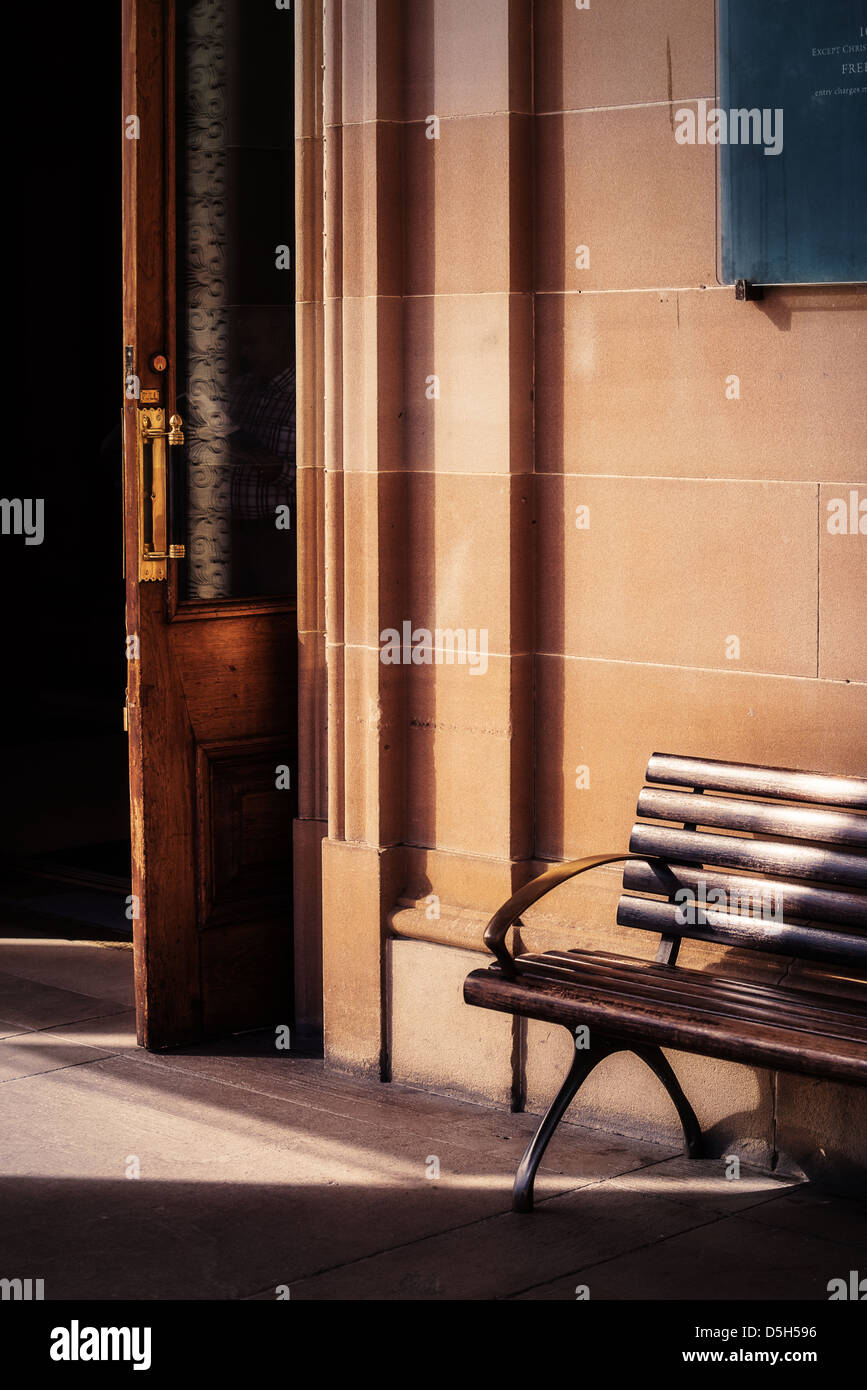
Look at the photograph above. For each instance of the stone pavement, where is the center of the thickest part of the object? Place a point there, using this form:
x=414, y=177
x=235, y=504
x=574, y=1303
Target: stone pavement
x=232, y=1170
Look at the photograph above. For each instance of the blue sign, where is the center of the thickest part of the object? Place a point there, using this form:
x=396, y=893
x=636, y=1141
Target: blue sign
x=791, y=126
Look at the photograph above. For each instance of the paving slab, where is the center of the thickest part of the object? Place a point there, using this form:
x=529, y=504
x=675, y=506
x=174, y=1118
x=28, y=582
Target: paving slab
x=110, y=1033
x=32, y=1004
x=32, y=1054
x=181, y=1125
x=194, y=1240
x=151, y=1240
x=87, y=1120
x=493, y=1259
x=11, y=1030
x=815, y=1213
x=97, y=970
x=721, y=1260
x=575, y=1154
x=702, y=1183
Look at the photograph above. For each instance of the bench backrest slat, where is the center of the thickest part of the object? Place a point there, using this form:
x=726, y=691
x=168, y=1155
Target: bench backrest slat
x=832, y=866
x=756, y=817
x=755, y=933
x=782, y=782
x=737, y=823
x=797, y=900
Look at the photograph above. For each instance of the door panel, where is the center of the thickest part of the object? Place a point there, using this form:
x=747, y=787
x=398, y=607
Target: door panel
x=211, y=694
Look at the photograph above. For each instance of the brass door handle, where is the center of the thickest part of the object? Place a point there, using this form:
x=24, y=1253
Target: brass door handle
x=154, y=548
x=174, y=434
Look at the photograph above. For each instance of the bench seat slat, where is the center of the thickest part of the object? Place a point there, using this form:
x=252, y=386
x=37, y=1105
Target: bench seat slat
x=680, y=980
x=704, y=1001
x=672, y=1025
x=789, y=784
x=757, y=817
x=798, y=899
x=831, y=866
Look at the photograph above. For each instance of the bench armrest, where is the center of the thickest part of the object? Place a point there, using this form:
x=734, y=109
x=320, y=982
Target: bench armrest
x=506, y=916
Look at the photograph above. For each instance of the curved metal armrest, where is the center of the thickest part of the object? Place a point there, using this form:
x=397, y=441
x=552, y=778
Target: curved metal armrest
x=505, y=916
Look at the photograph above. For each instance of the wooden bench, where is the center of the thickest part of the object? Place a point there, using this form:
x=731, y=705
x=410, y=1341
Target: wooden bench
x=778, y=865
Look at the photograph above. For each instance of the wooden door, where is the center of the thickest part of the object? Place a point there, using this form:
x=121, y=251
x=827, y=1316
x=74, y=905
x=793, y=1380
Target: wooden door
x=211, y=637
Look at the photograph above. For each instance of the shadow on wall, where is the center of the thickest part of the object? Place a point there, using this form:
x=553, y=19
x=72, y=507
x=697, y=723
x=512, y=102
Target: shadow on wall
x=548, y=426
x=419, y=420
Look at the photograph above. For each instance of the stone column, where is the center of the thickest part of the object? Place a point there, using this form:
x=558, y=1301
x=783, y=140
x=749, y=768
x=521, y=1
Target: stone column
x=429, y=510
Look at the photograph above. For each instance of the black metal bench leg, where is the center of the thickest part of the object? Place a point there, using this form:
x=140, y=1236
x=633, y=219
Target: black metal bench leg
x=661, y=1067
x=582, y=1065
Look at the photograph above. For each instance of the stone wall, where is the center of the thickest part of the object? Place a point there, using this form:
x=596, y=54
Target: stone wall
x=542, y=418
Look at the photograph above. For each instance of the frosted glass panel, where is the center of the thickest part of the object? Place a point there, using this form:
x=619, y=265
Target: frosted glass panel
x=236, y=341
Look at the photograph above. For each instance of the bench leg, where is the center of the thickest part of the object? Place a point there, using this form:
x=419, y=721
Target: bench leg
x=661, y=1067
x=582, y=1065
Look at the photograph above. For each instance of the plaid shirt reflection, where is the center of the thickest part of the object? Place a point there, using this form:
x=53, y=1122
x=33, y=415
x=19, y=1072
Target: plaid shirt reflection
x=266, y=412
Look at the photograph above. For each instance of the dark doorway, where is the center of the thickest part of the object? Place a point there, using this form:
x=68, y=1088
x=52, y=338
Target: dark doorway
x=64, y=809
